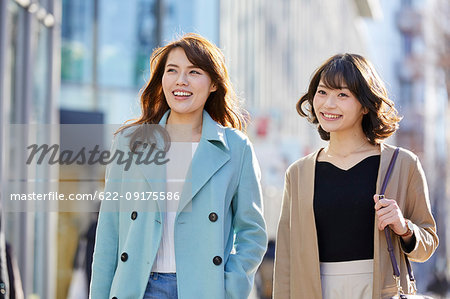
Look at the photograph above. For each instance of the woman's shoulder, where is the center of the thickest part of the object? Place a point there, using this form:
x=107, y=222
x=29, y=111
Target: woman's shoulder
x=236, y=137
x=128, y=137
x=122, y=136
x=405, y=155
x=124, y=132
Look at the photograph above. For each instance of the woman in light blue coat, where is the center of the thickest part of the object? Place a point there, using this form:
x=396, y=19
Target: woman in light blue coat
x=209, y=241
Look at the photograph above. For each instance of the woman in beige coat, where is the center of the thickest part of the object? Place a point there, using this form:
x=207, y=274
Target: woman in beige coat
x=330, y=241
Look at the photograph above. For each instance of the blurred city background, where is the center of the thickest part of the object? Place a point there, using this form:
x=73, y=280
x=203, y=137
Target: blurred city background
x=84, y=61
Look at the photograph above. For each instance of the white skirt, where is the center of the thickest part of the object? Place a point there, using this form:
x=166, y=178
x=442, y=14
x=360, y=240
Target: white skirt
x=347, y=280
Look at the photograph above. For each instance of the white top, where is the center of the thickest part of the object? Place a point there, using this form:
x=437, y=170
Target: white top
x=177, y=169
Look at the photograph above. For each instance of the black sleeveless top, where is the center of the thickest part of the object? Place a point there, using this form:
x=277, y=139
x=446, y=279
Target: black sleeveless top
x=344, y=210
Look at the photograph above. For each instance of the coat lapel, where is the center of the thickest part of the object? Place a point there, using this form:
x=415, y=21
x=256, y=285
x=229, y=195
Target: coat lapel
x=155, y=175
x=210, y=156
x=308, y=225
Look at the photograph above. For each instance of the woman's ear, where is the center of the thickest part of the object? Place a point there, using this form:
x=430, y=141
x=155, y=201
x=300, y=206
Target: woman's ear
x=365, y=110
x=213, y=87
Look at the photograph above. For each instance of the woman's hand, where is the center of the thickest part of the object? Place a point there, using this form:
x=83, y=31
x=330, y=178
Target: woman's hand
x=389, y=213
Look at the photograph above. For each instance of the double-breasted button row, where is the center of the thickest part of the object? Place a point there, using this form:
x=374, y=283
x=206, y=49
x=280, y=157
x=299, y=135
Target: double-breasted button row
x=213, y=217
x=124, y=257
x=134, y=215
x=217, y=260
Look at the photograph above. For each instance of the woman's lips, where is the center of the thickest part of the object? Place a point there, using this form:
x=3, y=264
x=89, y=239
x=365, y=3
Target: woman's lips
x=330, y=116
x=182, y=94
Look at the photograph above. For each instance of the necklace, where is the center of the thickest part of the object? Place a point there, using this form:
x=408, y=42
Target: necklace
x=347, y=154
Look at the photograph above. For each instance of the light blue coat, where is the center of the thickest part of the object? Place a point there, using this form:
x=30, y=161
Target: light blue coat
x=225, y=181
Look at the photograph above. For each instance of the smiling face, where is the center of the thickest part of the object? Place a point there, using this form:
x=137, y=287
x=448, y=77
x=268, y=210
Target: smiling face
x=338, y=110
x=186, y=87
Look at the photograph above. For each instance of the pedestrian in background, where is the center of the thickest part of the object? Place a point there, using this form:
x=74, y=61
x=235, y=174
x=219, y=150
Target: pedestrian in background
x=330, y=242
x=210, y=243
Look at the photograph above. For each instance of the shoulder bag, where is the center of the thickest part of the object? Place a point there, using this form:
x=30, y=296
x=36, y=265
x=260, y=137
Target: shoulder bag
x=387, y=232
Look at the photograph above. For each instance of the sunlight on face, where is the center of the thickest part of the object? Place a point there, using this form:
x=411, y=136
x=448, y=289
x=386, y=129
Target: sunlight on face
x=337, y=110
x=185, y=86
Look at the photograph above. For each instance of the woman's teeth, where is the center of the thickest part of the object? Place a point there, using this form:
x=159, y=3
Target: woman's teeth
x=334, y=116
x=182, y=94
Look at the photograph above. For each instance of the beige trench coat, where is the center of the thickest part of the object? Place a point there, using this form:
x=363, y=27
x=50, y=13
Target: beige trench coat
x=297, y=271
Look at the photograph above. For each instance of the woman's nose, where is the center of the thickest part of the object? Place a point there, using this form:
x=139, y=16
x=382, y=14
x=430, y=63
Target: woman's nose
x=330, y=101
x=182, y=79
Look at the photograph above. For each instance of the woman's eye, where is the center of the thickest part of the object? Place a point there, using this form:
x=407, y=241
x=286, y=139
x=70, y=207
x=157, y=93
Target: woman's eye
x=195, y=72
x=321, y=92
x=170, y=70
x=343, y=94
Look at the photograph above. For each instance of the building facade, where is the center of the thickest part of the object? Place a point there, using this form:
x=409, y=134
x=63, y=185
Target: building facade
x=29, y=84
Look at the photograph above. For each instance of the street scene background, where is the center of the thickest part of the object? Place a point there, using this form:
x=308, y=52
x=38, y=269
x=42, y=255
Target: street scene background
x=84, y=62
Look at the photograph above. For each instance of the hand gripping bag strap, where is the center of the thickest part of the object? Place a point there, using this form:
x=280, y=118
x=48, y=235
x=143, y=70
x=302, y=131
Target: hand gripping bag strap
x=387, y=233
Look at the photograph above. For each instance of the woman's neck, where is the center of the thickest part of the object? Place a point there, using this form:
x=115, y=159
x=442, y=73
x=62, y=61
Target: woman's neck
x=184, y=126
x=345, y=150
x=344, y=144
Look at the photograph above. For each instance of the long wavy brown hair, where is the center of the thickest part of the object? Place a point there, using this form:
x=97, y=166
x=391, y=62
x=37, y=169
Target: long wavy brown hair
x=359, y=76
x=222, y=105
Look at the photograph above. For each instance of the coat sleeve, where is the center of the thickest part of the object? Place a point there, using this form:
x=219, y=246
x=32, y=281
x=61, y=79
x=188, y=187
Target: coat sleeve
x=249, y=228
x=107, y=235
x=418, y=211
x=281, y=283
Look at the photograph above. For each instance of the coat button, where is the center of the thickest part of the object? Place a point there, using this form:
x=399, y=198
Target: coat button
x=133, y=215
x=217, y=260
x=213, y=217
x=124, y=257
x=114, y=297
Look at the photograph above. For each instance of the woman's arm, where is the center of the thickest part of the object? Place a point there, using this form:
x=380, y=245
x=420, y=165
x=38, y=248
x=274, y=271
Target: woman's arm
x=249, y=228
x=421, y=244
x=418, y=211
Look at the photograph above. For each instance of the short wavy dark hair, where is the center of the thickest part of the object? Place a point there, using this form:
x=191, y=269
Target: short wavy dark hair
x=359, y=76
